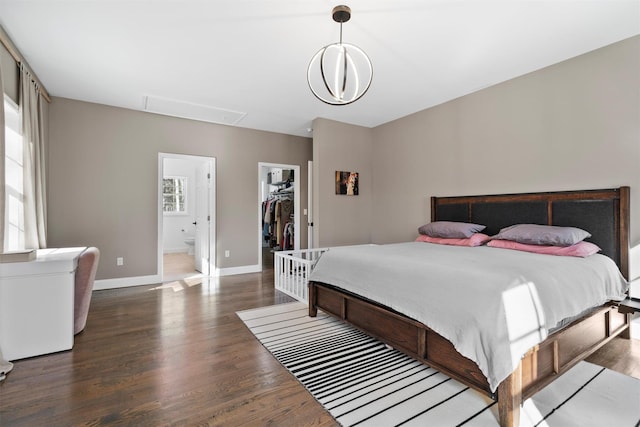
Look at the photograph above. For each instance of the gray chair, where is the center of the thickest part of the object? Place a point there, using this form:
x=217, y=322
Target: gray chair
x=85, y=275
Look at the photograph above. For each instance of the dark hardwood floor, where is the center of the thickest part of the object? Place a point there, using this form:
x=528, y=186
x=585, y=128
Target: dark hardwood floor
x=177, y=354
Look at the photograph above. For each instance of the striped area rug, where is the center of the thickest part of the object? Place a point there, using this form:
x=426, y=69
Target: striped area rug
x=361, y=382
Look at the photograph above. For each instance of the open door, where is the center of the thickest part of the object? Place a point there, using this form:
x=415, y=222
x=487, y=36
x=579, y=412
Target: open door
x=203, y=219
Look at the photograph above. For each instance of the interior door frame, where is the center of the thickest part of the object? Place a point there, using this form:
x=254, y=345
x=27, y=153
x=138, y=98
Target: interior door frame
x=212, y=209
x=296, y=201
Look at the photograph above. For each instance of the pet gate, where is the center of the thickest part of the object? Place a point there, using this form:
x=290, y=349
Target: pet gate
x=292, y=270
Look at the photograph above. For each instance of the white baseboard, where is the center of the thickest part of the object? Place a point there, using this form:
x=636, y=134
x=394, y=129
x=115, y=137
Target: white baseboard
x=245, y=269
x=184, y=249
x=125, y=282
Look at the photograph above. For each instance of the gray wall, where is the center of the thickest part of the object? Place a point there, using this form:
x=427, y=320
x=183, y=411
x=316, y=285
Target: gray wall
x=10, y=74
x=103, y=178
x=573, y=125
x=340, y=219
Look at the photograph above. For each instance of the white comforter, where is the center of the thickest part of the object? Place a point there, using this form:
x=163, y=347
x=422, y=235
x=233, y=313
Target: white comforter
x=492, y=304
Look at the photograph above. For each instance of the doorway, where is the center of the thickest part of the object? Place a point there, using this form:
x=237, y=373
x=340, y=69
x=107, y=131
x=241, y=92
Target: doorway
x=277, y=183
x=186, y=216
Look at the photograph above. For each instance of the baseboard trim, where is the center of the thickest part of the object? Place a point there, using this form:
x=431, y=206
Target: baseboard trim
x=125, y=282
x=182, y=250
x=232, y=271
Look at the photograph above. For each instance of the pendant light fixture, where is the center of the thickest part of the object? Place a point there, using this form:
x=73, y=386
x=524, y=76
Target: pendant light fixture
x=340, y=73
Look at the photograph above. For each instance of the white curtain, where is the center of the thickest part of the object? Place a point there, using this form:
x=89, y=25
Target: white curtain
x=32, y=114
x=5, y=366
x=2, y=167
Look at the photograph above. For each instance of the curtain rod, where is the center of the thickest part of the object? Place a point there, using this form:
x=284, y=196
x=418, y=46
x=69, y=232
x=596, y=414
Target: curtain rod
x=13, y=51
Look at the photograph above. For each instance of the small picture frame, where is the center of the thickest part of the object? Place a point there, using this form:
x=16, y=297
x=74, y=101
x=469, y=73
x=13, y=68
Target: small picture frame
x=347, y=183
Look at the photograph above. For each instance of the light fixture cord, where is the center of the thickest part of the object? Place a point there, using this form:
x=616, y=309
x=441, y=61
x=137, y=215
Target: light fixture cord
x=340, y=33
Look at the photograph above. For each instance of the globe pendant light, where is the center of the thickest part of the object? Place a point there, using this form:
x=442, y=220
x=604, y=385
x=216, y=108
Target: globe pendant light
x=340, y=73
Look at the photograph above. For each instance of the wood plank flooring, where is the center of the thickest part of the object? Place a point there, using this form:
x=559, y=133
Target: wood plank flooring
x=178, y=265
x=176, y=354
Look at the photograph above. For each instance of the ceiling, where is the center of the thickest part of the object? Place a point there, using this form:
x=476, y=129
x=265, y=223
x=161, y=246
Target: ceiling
x=245, y=61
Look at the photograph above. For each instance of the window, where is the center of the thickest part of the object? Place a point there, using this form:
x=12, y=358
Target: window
x=174, y=195
x=14, y=213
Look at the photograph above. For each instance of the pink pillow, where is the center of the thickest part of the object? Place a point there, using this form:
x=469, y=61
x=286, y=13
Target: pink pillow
x=476, y=240
x=580, y=249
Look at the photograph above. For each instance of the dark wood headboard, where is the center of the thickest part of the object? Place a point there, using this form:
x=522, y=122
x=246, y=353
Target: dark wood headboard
x=603, y=213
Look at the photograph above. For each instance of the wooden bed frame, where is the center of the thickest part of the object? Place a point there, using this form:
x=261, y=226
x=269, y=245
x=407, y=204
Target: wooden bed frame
x=604, y=213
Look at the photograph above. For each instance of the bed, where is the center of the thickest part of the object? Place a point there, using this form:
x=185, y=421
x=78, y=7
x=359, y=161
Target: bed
x=604, y=213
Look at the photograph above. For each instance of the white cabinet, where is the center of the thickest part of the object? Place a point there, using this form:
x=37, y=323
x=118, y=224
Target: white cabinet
x=37, y=303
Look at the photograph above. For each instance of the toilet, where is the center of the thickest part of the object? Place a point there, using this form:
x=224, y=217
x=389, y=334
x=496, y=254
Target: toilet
x=190, y=241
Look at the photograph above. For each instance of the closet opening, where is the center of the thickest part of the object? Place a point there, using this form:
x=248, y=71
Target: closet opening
x=279, y=211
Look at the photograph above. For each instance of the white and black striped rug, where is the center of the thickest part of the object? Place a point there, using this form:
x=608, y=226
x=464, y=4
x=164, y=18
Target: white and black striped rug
x=362, y=382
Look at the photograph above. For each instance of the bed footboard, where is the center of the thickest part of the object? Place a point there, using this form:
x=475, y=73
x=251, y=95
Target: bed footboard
x=539, y=367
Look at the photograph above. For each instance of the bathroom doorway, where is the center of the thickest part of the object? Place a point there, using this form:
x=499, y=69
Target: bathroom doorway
x=186, y=216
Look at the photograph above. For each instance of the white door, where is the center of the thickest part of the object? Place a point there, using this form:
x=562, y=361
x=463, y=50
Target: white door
x=203, y=218
x=310, y=205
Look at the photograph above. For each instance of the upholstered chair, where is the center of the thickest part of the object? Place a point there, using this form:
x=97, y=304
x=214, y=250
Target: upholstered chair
x=85, y=275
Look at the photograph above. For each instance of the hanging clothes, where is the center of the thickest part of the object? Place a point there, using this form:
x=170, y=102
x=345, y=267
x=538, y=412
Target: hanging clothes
x=286, y=212
x=277, y=213
x=288, y=236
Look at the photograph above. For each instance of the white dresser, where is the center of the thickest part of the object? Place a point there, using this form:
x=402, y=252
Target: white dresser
x=36, y=303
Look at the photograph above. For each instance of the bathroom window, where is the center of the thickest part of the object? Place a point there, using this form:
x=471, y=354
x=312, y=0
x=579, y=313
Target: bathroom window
x=174, y=195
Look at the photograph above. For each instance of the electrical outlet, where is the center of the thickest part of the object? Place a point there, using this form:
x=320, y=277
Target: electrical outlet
x=120, y=261
x=227, y=253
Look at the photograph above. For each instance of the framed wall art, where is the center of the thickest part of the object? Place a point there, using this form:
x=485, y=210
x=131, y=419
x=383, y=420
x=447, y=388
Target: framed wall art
x=347, y=183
